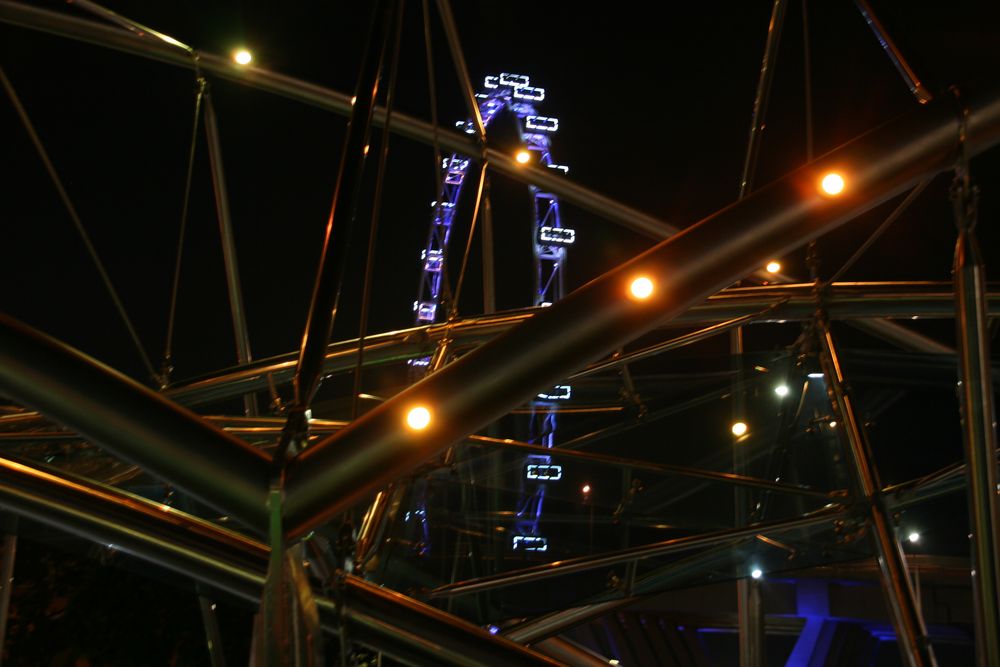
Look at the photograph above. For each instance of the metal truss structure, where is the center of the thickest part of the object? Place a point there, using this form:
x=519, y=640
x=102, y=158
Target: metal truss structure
x=511, y=93
x=286, y=482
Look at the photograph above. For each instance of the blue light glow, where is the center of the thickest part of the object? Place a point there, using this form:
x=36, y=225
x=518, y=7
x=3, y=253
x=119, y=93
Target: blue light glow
x=513, y=80
x=543, y=123
x=557, y=235
x=560, y=392
x=530, y=543
x=545, y=472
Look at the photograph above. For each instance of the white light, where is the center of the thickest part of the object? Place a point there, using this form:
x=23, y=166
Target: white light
x=913, y=537
x=781, y=390
x=560, y=392
x=832, y=184
x=492, y=82
x=513, y=80
x=613, y=661
x=585, y=489
x=816, y=376
x=418, y=418
x=543, y=123
x=757, y=573
x=242, y=57
x=557, y=235
x=641, y=288
x=833, y=423
x=529, y=93
x=522, y=156
x=546, y=472
x=773, y=267
x=530, y=543
x=561, y=167
x=739, y=429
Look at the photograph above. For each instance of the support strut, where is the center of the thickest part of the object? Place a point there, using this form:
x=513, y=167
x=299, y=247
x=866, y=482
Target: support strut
x=975, y=391
x=601, y=316
x=903, y=607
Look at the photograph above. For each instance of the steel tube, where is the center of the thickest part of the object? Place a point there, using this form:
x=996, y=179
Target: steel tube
x=667, y=469
x=768, y=63
x=154, y=532
x=229, y=257
x=600, y=316
x=347, y=191
x=133, y=422
x=6, y=581
x=237, y=564
x=458, y=642
x=461, y=69
x=585, y=563
x=858, y=302
x=308, y=93
x=978, y=433
x=901, y=601
x=918, y=89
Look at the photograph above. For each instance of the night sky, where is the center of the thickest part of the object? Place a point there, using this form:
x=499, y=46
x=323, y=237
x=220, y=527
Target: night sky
x=654, y=111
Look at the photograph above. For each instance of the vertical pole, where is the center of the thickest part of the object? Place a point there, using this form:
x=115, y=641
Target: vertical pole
x=7, y=574
x=228, y=247
x=213, y=638
x=763, y=92
x=748, y=604
x=749, y=610
x=975, y=392
x=489, y=275
x=347, y=193
x=903, y=610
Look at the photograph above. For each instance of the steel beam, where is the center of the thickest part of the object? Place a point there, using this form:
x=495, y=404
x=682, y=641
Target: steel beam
x=901, y=601
x=401, y=627
x=666, y=547
x=600, y=316
x=347, y=191
x=918, y=89
x=308, y=93
x=858, y=302
x=133, y=422
x=732, y=479
x=975, y=390
x=229, y=257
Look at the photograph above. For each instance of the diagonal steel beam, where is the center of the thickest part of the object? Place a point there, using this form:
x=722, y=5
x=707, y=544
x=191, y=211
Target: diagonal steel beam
x=666, y=547
x=133, y=422
x=399, y=626
x=291, y=88
x=858, y=302
x=901, y=601
x=601, y=316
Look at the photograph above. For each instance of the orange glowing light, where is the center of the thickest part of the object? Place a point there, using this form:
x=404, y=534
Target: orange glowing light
x=523, y=156
x=832, y=184
x=641, y=288
x=773, y=267
x=418, y=418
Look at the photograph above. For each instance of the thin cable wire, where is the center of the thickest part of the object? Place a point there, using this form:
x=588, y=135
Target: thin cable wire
x=168, y=345
x=435, y=141
x=376, y=210
x=898, y=211
x=807, y=69
x=64, y=196
x=453, y=312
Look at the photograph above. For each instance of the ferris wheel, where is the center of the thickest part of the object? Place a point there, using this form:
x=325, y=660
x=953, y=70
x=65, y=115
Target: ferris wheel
x=550, y=244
